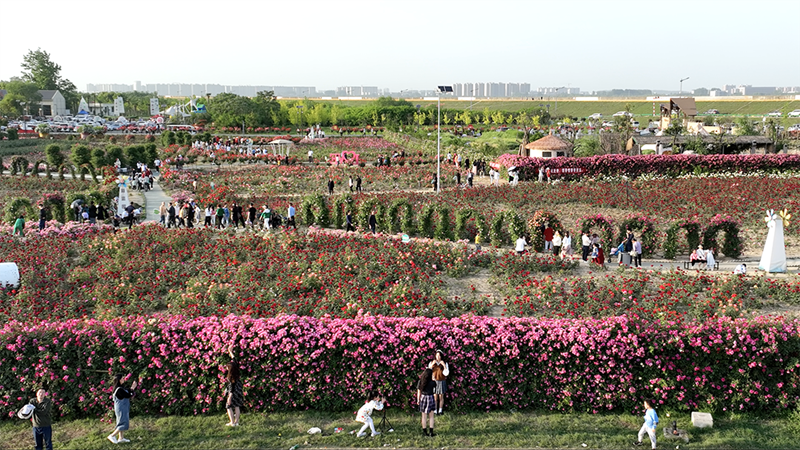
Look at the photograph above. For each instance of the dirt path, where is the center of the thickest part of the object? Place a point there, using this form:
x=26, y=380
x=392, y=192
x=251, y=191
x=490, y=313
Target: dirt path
x=476, y=286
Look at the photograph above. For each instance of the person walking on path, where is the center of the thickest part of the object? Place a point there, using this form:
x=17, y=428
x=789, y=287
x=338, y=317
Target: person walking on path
x=373, y=222
x=42, y=217
x=122, y=409
x=171, y=216
x=330, y=186
x=162, y=212
x=427, y=404
x=358, y=183
x=440, y=373
x=290, y=213
x=637, y=253
x=42, y=421
x=650, y=424
x=349, y=221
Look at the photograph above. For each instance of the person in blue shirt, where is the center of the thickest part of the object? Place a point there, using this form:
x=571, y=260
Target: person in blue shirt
x=650, y=423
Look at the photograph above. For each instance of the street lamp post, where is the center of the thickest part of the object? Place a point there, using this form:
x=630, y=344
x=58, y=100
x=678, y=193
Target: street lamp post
x=439, y=134
x=557, y=89
x=300, y=108
x=681, y=91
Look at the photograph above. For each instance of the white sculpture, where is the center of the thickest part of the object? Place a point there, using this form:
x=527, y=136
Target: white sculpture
x=773, y=260
x=122, y=200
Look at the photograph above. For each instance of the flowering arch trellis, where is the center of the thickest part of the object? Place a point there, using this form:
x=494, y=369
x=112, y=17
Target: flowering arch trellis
x=340, y=206
x=516, y=228
x=16, y=207
x=692, y=228
x=315, y=210
x=733, y=246
x=648, y=235
x=463, y=216
x=599, y=221
x=534, y=223
x=400, y=216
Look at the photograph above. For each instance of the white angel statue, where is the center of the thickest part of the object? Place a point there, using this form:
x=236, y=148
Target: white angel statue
x=773, y=260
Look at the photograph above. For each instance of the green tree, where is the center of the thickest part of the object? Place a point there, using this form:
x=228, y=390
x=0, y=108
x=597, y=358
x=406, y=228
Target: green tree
x=231, y=110
x=81, y=155
x=17, y=93
x=40, y=70
x=54, y=156
x=675, y=129
x=114, y=153
x=265, y=106
x=746, y=127
x=588, y=146
x=335, y=114
x=99, y=158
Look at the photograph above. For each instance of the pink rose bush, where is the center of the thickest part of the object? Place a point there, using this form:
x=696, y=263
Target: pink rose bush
x=291, y=362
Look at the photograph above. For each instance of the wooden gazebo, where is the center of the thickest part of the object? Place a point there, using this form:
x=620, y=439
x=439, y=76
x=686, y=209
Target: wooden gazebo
x=549, y=146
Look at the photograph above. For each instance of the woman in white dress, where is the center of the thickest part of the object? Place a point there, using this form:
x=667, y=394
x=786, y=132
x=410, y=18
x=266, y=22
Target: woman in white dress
x=710, y=261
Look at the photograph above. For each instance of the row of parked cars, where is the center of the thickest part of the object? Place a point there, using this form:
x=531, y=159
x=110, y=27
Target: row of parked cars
x=710, y=112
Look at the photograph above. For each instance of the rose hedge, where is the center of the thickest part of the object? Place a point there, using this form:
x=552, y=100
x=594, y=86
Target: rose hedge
x=634, y=166
x=292, y=362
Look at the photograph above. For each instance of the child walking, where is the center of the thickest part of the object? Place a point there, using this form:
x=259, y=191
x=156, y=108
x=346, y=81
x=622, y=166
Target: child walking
x=650, y=423
x=364, y=415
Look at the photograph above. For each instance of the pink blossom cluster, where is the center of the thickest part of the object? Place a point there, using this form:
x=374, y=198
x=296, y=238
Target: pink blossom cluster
x=292, y=362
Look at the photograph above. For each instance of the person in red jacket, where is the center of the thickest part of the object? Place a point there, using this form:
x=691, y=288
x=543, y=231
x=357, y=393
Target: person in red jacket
x=548, y=237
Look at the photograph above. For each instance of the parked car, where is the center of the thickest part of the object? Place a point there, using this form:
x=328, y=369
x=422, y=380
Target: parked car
x=712, y=111
x=795, y=113
x=596, y=116
x=774, y=114
x=622, y=113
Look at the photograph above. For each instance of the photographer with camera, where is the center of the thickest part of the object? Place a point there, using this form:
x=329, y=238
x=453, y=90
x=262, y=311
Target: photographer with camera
x=374, y=403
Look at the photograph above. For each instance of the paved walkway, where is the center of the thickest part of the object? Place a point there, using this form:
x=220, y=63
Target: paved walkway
x=152, y=201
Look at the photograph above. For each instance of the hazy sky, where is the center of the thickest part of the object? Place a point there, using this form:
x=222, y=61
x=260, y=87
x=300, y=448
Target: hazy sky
x=410, y=44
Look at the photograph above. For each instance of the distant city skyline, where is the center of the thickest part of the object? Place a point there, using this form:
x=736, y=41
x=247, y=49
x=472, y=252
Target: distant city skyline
x=412, y=44
x=462, y=90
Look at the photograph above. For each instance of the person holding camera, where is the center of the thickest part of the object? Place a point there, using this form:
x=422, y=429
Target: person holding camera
x=440, y=373
x=122, y=409
x=374, y=403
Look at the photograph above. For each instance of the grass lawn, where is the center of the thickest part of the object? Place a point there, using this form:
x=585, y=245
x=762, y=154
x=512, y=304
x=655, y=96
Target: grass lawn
x=455, y=430
x=641, y=108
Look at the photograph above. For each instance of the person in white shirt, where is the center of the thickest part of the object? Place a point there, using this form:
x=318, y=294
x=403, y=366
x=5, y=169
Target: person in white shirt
x=364, y=415
x=586, y=242
x=520, y=245
x=741, y=269
x=557, y=241
x=566, y=245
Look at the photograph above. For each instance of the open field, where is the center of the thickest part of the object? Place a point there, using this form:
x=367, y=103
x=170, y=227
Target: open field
x=502, y=429
x=606, y=107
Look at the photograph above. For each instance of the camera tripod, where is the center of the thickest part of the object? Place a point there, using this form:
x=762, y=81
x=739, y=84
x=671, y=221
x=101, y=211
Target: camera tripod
x=384, y=423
